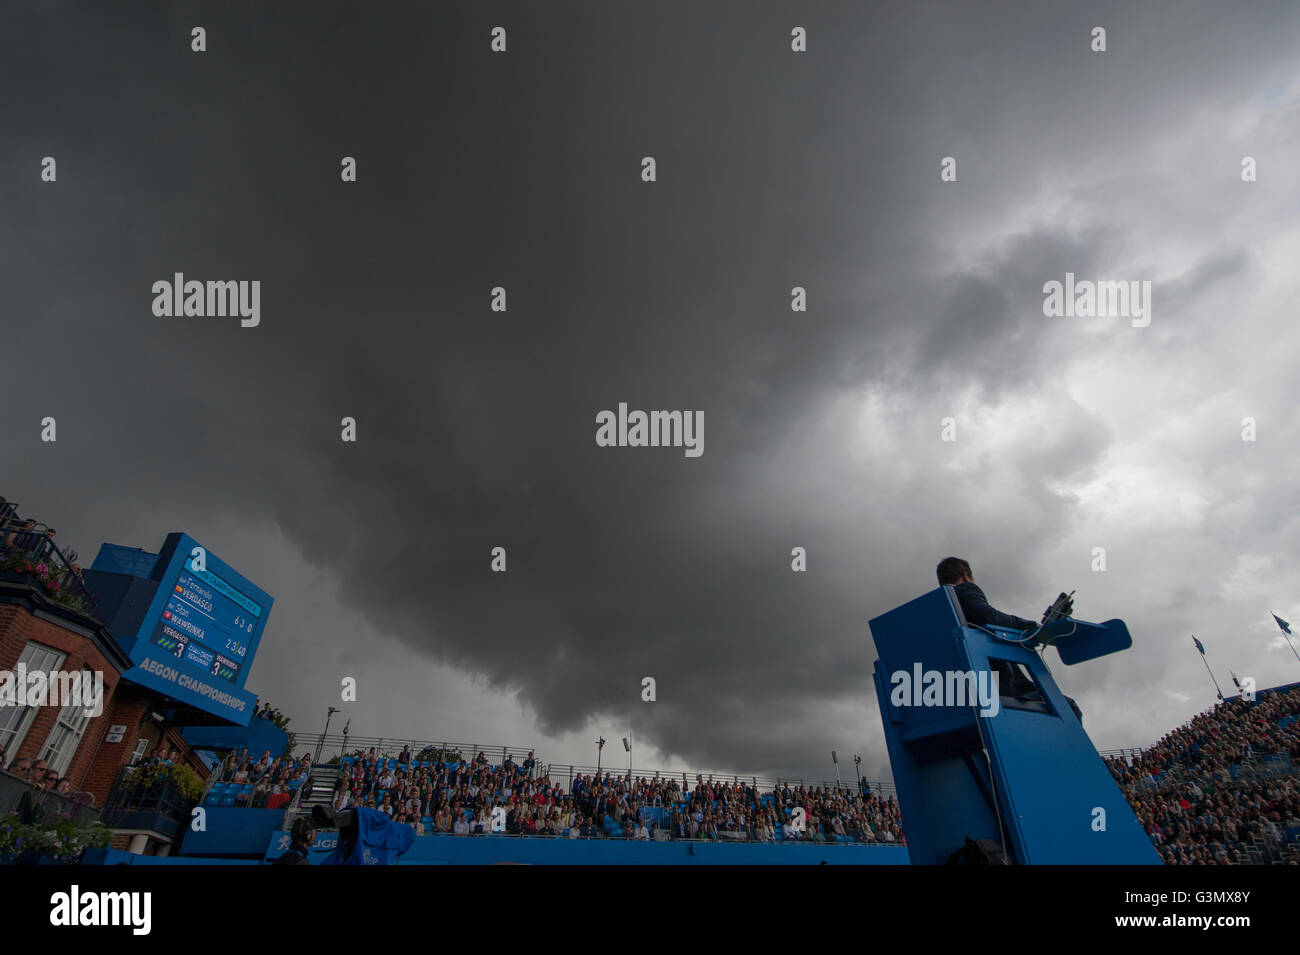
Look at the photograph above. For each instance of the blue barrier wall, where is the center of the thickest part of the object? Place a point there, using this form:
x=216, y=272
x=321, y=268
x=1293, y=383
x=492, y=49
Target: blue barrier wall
x=121, y=857
x=259, y=735
x=480, y=850
x=542, y=850
x=486, y=850
x=231, y=831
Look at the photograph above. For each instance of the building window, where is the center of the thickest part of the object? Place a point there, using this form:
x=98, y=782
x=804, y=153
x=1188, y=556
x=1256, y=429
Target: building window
x=68, y=730
x=15, y=721
x=141, y=745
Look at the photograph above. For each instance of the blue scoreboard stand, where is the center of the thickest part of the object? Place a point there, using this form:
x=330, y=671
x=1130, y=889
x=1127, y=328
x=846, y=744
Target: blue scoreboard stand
x=190, y=623
x=1021, y=773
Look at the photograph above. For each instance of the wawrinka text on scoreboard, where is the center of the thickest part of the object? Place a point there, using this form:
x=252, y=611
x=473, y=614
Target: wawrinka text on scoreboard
x=207, y=621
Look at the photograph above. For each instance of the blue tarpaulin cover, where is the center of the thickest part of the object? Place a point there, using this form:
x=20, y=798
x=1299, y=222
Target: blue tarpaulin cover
x=379, y=841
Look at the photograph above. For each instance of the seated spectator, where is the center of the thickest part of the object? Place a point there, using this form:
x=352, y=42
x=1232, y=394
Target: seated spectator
x=22, y=768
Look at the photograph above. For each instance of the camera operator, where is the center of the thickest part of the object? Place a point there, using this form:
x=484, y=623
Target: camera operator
x=303, y=834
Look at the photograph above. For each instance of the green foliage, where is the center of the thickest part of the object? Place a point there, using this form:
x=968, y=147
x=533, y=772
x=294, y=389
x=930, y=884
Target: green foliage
x=435, y=754
x=54, y=833
x=336, y=760
x=185, y=780
x=51, y=579
x=288, y=745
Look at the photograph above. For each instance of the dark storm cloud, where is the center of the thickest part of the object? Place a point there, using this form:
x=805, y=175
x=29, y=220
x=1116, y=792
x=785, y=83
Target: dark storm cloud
x=477, y=428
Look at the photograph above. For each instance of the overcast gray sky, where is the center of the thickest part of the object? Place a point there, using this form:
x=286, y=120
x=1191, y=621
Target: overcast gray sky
x=822, y=428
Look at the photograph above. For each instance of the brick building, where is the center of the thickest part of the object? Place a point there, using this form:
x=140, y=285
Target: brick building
x=41, y=634
x=100, y=623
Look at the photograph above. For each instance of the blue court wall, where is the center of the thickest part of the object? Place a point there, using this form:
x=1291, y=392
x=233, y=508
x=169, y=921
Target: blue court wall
x=486, y=850
x=259, y=735
x=480, y=850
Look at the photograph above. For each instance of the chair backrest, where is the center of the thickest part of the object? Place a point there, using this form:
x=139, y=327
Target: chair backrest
x=956, y=604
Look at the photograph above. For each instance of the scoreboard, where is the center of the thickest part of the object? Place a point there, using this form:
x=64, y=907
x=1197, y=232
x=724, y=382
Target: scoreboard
x=207, y=621
x=198, y=636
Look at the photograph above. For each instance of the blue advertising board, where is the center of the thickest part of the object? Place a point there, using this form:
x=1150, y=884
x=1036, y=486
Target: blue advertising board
x=199, y=634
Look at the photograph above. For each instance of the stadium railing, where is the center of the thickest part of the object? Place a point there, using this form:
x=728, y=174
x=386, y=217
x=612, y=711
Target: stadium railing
x=336, y=745
x=565, y=772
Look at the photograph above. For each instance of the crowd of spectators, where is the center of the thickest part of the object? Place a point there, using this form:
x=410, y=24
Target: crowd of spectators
x=37, y=774
x=459, y=797
x=1222, y=789
x=264, y=783
x=738, y=811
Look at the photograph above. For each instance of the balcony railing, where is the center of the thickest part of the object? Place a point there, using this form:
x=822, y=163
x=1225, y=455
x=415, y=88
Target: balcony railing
x=157, y=805
x=51, y=570
x=17, y=795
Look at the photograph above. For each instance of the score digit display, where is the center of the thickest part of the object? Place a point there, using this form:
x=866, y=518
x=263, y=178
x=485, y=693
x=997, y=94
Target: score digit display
x=207, y=621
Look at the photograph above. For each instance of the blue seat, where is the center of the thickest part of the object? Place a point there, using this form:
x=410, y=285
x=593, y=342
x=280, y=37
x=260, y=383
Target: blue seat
x=228, y=799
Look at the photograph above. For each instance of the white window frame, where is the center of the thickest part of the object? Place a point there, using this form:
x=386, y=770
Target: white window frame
x=68, y=731
x=141, y=745
x=16, y=721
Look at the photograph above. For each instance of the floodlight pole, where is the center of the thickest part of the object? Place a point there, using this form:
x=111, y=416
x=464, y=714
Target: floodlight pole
x=321, y=744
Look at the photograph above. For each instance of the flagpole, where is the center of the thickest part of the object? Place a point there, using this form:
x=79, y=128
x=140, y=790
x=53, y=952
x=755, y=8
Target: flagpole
x=1286, y=634
x=1291, y=645
x=1209, y=671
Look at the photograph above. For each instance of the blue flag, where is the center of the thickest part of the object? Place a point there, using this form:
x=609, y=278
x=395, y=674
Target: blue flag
x=1198, y=644
x=1286, y=627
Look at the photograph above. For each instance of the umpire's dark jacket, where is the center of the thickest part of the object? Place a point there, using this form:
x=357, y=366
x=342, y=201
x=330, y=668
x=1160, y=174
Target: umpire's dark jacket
x=978, y=612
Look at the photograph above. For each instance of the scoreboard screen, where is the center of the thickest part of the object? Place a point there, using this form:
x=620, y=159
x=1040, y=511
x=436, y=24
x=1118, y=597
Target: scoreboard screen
x=198, y=636
x=207, y=621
